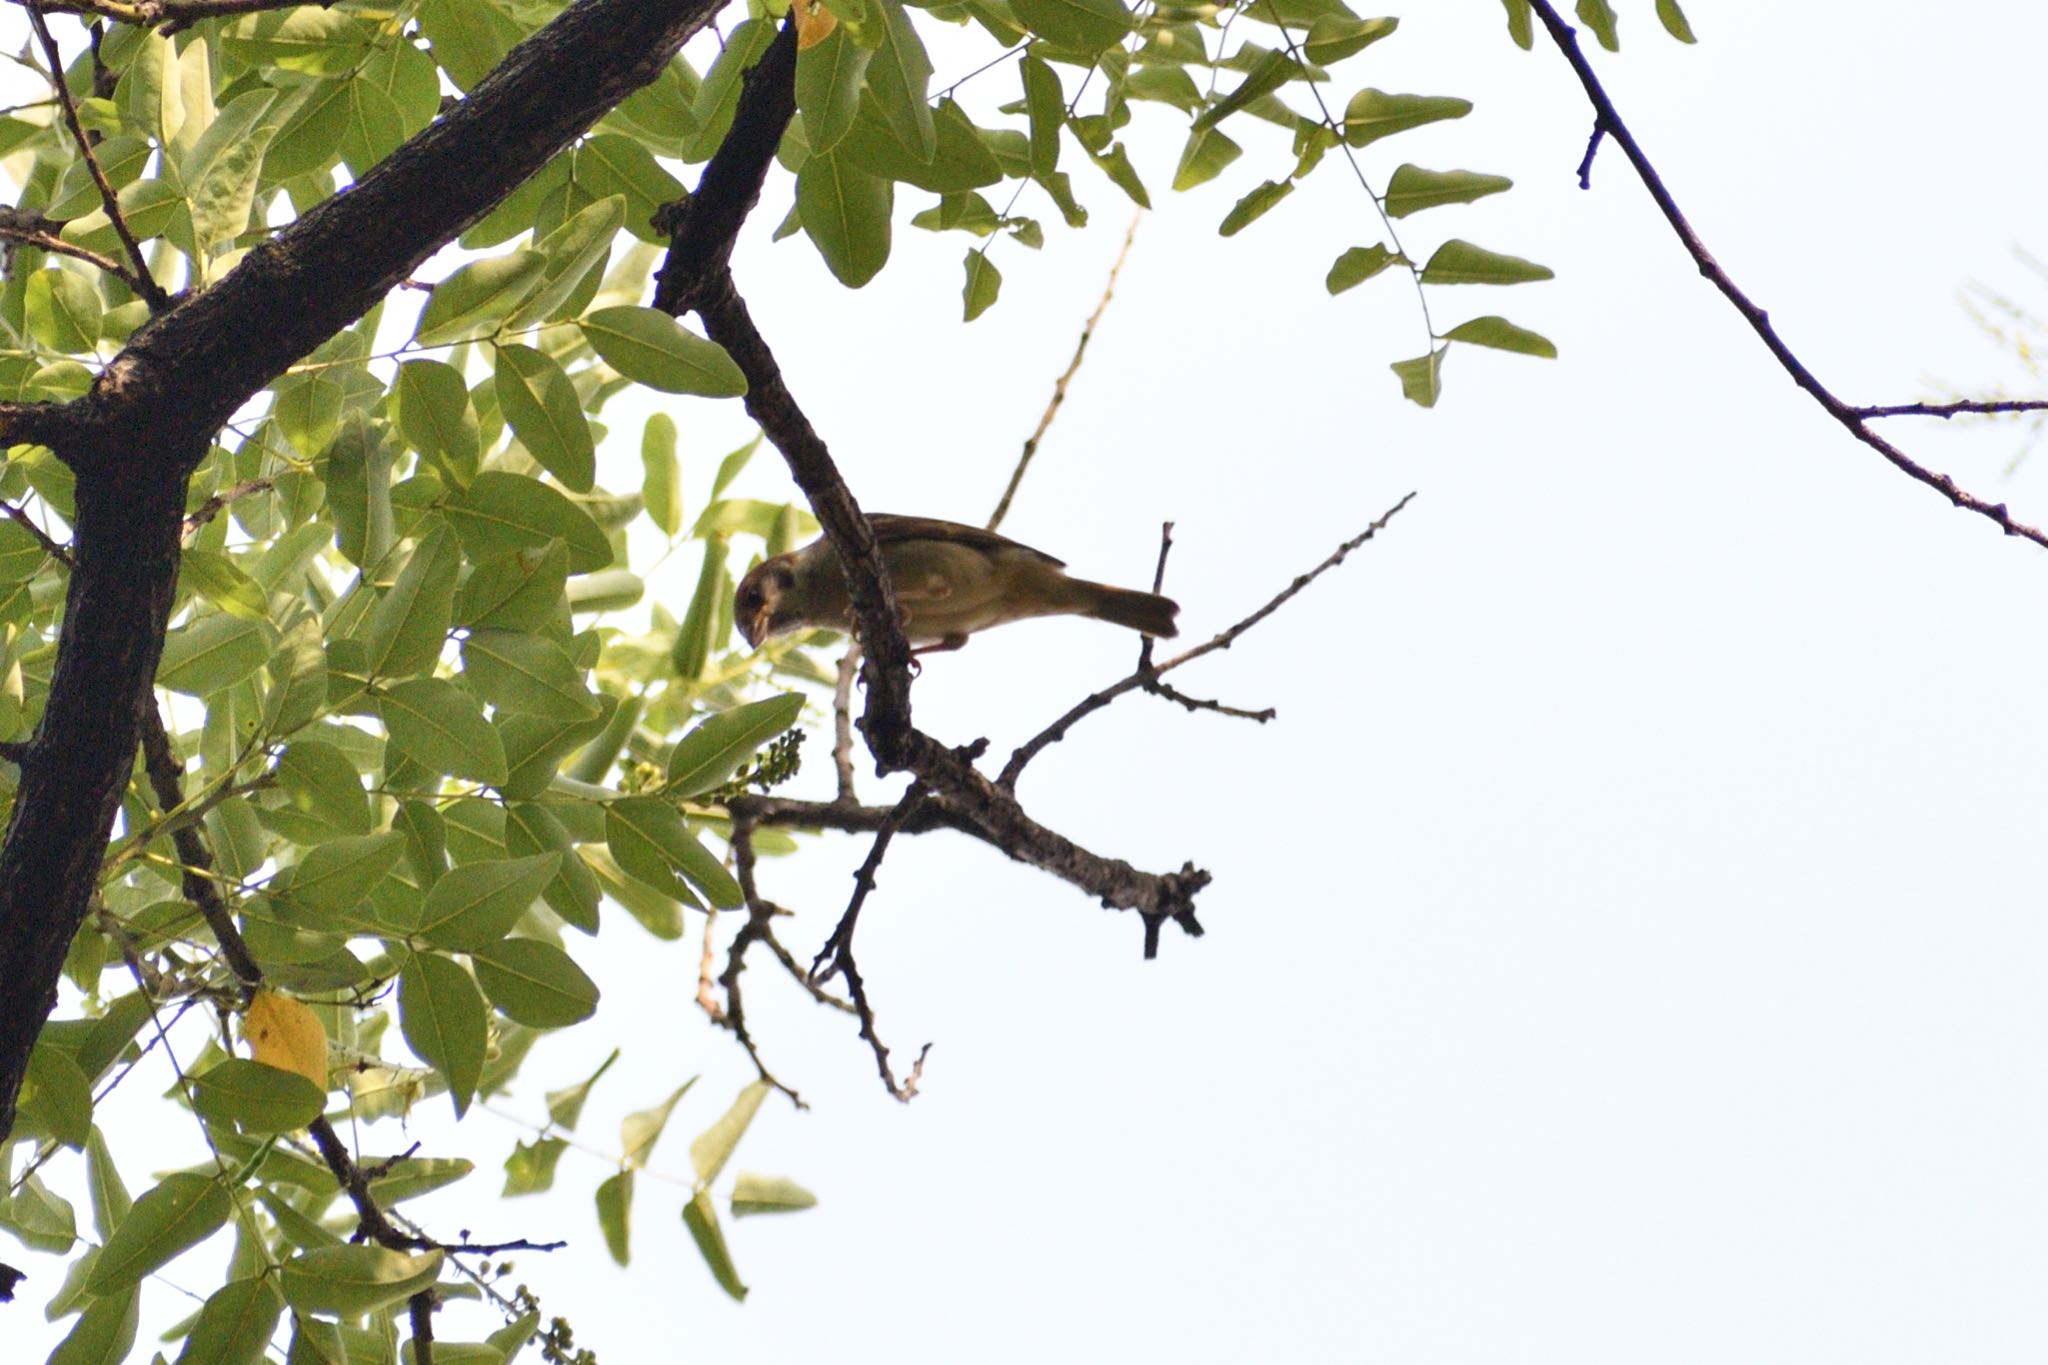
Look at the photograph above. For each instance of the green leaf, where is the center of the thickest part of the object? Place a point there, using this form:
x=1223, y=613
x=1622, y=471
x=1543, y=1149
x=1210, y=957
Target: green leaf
x=235, y=1326
x=469, y=37
x=353, y=1280
x=1459, y=262
x=1674, y=21
x=984, y=281
x=899, y=76
x=652, y=348
x=58, y=1096
x=702, y=1221
x=526, y=673
x=440, y=726
x=565, y=1106
x=312, y=41
x=1413, y=189
x=641, y=1129
x=1502, y=335
x=501, y=512
x=1116, y=164
x=575, y=251
x=1268, y=74
x=648, y=837
x=410, y=1177
x=1086, y=27
x=1374, y=114
x=530, y=1166
x=612, y=163
x=477, y=904
x=221, y=171
x=1254, y=206
x=1598, y=15
x=661, y=480
x=110, y=1198
x=335, y=876
x=1359, y=264
x=1521, y=23
x=442, y=1015
x=214, y=653
x=521, y=591
x=435, y=417
x=846, y=212
x=541, y=404
x=1045, y=104
x=172, y=1218
x=103, y=1333
x=1421, y=378
x=38, y=1218
x=216, y=578
x=709, y=755
x=828, y=85
x=535, y=983
x=409, y=625
x=473, y=300
x=321, y=784
x=753, y=1194
x=615, y=1215
x=1333, y=37
x=63, y=311
x=257, y=1098
x=1203, y=158
x=961, y=159
x=714, y=1146
x=374, y=127
x=310, y=139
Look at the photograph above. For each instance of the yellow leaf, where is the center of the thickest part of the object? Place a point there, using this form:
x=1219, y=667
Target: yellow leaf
x=283, y=1033
x=814, y=24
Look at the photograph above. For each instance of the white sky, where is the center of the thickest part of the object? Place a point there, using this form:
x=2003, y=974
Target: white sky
x=1623, y=946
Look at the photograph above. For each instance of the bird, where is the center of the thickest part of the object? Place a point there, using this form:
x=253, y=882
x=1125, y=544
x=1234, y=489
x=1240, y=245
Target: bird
x=950, y=580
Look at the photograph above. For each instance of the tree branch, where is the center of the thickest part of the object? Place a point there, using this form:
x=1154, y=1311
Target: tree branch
x=1965, y=407
x=139, y=278
x=1610, y=121
x=1059, y=386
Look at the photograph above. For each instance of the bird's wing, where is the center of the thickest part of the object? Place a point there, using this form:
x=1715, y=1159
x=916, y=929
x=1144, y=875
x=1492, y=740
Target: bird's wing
x=890, y=528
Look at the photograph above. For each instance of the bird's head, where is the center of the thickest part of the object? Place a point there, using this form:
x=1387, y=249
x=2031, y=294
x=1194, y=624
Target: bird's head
x=762, y=606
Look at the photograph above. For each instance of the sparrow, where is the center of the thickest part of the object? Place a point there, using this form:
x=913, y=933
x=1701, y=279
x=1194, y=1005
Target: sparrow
x=951, y=580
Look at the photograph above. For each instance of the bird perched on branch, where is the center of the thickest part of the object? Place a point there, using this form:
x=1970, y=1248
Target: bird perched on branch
x=950, y=581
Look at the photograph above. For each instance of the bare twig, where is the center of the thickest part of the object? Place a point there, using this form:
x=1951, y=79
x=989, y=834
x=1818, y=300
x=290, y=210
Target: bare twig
x=839, y=945
x=1592, y=150
x=1960, y=408
x=759, y=913
x=166, y=782
x=842, y=721
x=1059, y=387
x=174, y=15
x=1759, y=321
x=1146, y=676
x=51, y=242
x=139, y=279
x=53, y=548
x=213, y=506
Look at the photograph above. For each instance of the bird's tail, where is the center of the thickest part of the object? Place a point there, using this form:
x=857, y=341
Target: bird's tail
x=1147, y=612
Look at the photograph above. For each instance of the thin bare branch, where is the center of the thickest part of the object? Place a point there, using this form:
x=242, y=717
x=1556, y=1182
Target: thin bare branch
x=139, y=278
x=839, y=946
x=1851, y=418
x=1146, y=676
x=1965, y=407
x=1059, y=387
x=842, y=722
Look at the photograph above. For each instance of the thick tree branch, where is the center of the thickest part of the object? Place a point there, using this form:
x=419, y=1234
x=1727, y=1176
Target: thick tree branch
x=1610, y=122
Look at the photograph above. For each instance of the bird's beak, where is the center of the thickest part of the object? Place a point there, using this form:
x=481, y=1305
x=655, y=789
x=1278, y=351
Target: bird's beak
x=754, y=631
